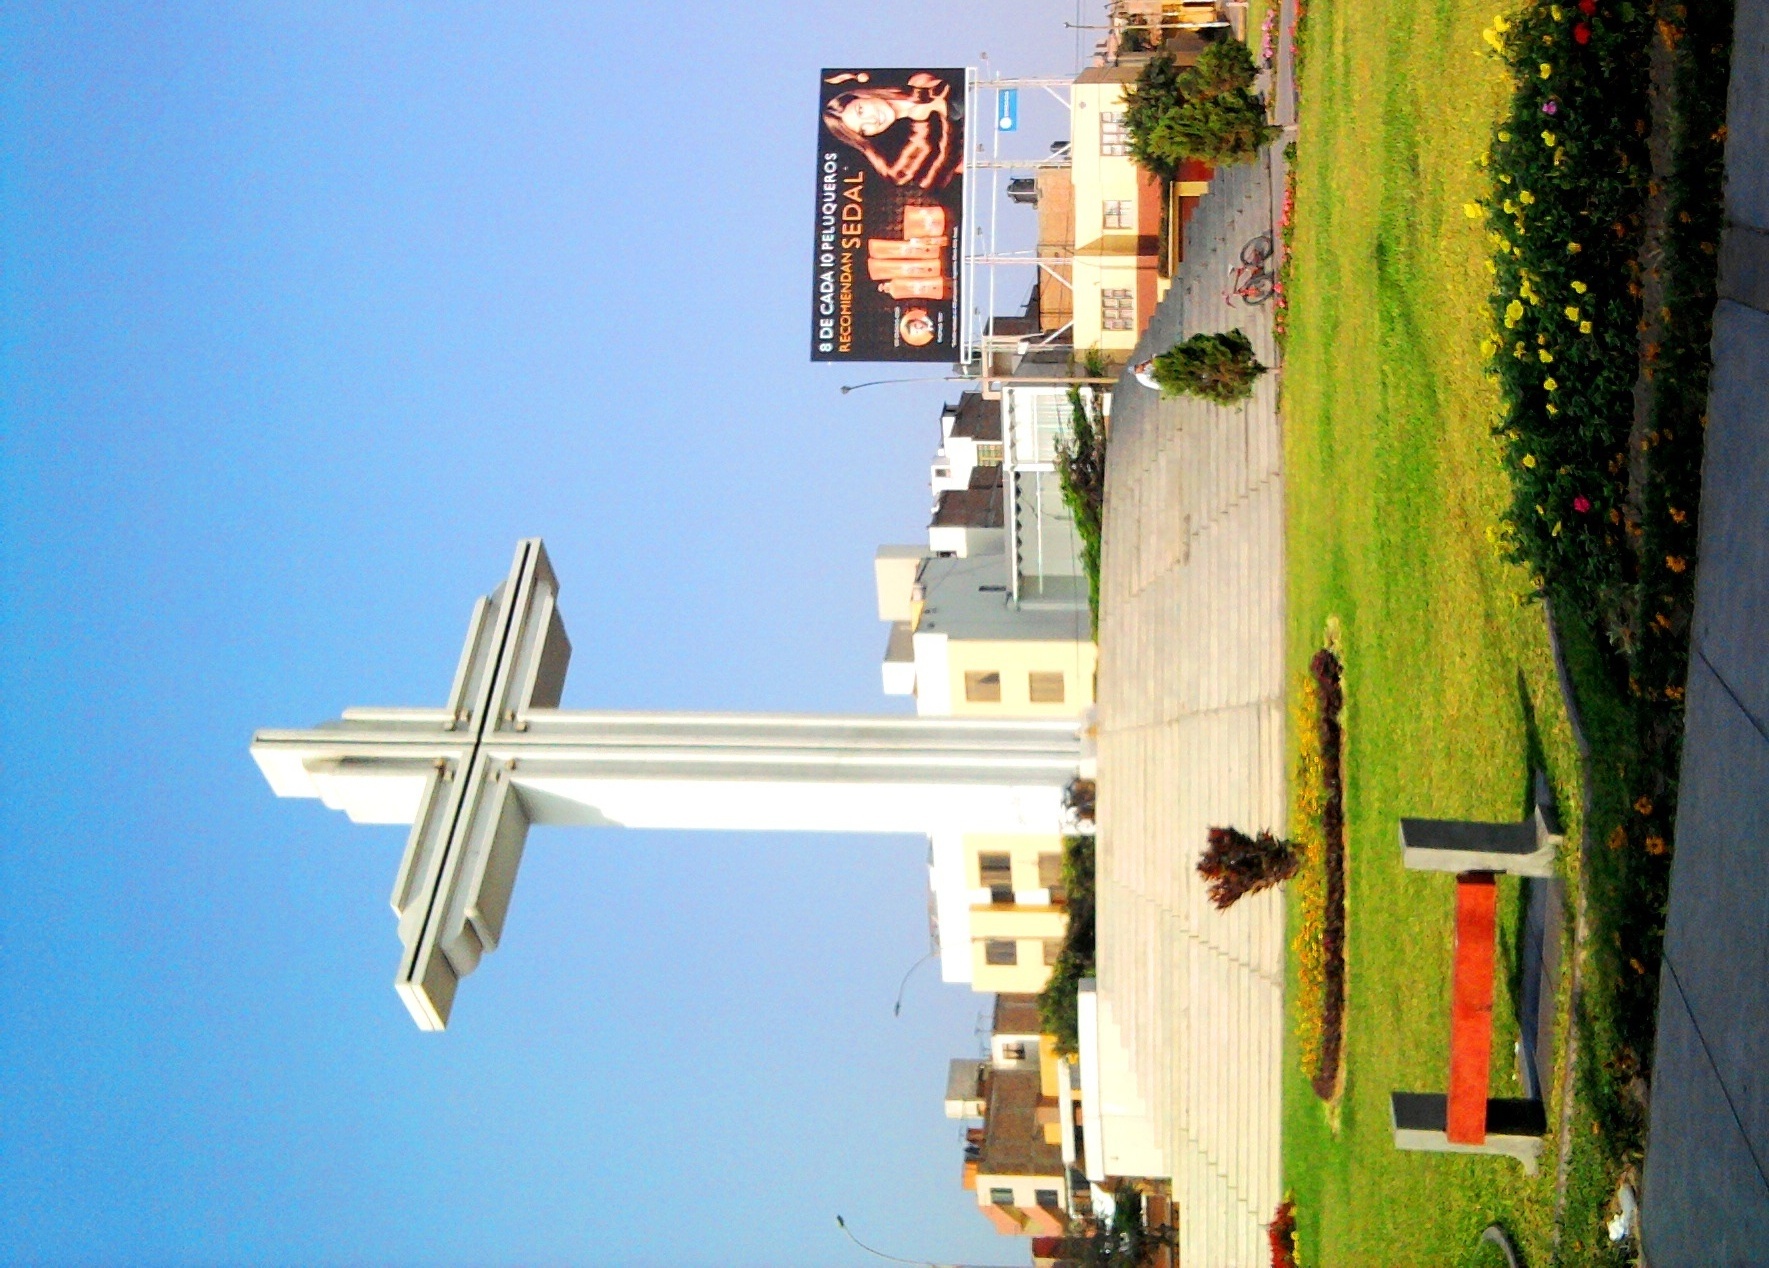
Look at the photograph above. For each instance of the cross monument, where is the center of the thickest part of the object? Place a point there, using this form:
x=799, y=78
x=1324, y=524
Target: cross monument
x=472, y=776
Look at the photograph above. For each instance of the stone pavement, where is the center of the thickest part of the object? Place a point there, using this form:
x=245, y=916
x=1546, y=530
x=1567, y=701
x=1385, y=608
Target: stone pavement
x=1706, y=1196
x=1191, y=710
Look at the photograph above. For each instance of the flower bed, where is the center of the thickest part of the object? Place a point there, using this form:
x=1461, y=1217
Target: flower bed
x=1570, y=167
x=1280, y=307
x=1606, y=498
x=1320, y=836
x=1282, y=1234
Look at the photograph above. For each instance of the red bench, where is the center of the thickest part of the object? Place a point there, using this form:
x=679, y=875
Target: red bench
x=1466, y=1119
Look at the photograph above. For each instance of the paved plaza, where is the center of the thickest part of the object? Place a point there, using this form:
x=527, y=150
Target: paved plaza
x=1191, y=709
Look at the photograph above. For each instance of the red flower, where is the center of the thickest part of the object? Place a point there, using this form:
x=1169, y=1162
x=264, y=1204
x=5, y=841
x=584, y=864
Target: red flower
x=1581, y=34
x=1581, y=504
x=1587, y=7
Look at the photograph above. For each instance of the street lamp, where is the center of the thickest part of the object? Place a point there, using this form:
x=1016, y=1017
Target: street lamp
x=897, y=1008
x=943, y=378
x=916, y=1263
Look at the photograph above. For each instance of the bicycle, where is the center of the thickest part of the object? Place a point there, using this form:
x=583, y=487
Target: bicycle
x=1251, y=281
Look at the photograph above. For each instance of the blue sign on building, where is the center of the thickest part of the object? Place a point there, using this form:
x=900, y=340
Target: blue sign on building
x=1007, y=110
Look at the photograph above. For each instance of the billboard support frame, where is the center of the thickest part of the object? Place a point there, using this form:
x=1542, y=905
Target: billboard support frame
x=979, y=310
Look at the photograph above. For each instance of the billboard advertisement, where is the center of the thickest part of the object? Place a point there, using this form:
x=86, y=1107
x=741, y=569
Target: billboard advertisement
x=890, y=194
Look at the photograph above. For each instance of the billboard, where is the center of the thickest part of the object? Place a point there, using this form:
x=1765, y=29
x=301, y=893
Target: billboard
x=890, y=196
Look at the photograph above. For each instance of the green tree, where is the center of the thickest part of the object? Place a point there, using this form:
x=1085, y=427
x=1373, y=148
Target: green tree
x=1219, y=367
x=1208, y=112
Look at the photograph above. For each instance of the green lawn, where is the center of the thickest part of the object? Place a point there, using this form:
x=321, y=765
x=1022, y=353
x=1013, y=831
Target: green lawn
x=1393, y=484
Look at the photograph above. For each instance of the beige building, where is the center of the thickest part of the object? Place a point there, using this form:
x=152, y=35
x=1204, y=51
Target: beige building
x=989, y=619
x=1124, y=259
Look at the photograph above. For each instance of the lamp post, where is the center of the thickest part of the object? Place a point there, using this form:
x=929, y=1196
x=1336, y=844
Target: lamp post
x=984, y=380
x=895, y=1259
x=897, y=1008
x=943, y=378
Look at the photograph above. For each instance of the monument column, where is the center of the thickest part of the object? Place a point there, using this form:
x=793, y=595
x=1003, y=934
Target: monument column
x=471, y=777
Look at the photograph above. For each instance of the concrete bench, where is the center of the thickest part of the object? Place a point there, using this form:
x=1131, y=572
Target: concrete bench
x=1514, y=1127
x=1525, y=848
x=1465, y=1119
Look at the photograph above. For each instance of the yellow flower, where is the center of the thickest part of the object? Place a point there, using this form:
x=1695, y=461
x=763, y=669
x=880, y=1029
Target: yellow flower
x=1539, y=510
x=1552, y=412
x=1513, y=313
x=1580, y=288
x=1573, y=248
x=1548, y=139
x=1555, y=13
x=1676, y=563
x=1516, y=351
x=1572, y=314
x=1492, y=37
x=1525, y=197
x=1584, y=327
x=1471, y=210
x=1544, y=356
x=1549, y=385
x=1488, y=346
x=1508, y=207
x=1492, y=268
x=1504, y=136
x=1505, y=177
x=1546, y=70
x=1529, y=460
x=1556, y=530
x=1500, y=23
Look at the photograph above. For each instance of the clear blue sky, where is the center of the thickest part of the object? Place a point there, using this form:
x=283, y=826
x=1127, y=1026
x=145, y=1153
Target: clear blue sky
x=309, y=312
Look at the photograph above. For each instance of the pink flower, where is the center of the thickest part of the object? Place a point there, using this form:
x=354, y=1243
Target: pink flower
x=1550, y=106
x=1581, y=34
x=1581, y=504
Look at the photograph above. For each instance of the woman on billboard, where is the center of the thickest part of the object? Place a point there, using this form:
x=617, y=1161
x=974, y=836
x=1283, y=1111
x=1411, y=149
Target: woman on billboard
x=910, y=134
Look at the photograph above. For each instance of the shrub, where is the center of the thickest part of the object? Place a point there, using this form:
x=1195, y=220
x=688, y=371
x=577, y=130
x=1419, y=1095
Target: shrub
x=1080, y=796
x=1124, y=1242
x=1081, y=473
x=1057, y=1007
x=1236, y=864
x=1207, y=112
x=1219, y=367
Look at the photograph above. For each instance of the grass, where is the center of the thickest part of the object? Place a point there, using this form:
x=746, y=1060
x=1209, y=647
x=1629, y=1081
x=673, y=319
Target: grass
x=1393, y=482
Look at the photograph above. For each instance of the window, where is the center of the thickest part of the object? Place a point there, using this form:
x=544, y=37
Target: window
x=1050, y=876
x=1046, y=687
x=1117, y=213
x=1117, y=309
x=984, y=686
x=989, y=453
x=1001, y=1197
x=1002, y=951
x=1048, y=1199
x=1053, y=950
x=1114, y=138
x=995, y=871
x=1013, y=1052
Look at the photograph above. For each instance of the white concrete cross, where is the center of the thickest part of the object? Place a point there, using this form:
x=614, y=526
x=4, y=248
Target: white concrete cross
x=470, y=778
